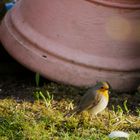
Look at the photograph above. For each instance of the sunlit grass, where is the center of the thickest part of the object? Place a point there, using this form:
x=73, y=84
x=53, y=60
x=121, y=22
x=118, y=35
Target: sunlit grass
x=44, y=119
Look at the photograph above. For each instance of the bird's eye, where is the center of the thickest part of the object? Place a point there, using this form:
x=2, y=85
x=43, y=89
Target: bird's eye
x=102, y=87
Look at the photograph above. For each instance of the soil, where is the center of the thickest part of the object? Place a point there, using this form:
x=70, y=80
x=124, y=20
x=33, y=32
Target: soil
x=16, y=86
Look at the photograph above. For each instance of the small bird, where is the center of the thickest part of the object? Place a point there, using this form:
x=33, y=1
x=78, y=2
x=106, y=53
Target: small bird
x=95, y=100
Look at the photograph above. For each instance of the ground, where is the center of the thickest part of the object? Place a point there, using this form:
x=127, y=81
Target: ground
x=28, y=112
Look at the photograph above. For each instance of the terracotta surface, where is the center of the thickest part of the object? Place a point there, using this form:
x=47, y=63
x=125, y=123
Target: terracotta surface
x=125, y=4
x=77, y=42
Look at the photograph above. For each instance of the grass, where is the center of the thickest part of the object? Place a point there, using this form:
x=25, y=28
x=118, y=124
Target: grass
x=44, y=119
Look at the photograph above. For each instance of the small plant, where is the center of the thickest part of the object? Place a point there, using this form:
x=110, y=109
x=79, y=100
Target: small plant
x=37, y=79
x=49, y=99
x=119, y=110
x=125, y=106
x=39, y=94
x=138, y=111
x=44, y=98
x=70, y=106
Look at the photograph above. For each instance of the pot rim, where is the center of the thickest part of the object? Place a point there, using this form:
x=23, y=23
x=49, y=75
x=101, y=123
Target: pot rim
x=116, y=4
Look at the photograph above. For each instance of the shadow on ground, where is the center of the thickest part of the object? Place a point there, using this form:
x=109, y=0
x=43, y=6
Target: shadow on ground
x=22, y=86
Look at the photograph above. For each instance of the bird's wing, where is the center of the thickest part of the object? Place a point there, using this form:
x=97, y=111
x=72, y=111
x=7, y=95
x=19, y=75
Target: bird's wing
x=90, y=99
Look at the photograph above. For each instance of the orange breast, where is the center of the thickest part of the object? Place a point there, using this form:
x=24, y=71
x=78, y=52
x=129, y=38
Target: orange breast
x=104, y=92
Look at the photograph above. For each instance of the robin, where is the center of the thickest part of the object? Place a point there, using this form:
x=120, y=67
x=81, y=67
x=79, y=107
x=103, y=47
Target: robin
x=95, y=100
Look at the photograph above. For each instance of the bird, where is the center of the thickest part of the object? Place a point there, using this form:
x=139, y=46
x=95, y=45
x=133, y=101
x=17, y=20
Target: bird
x=94, y=100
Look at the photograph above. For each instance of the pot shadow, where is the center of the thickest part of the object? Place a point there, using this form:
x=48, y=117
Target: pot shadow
x=21, y=87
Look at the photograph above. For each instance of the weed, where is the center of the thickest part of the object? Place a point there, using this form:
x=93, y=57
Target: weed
x=47, y=99
x=138, y=111
x=39, y=94
x=37, y=79
x=125, y=106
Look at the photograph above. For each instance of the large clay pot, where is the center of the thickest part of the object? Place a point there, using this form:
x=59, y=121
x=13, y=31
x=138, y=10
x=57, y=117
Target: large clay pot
x=77, y=41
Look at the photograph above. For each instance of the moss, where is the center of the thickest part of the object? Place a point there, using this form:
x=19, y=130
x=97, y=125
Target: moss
x=35, y=121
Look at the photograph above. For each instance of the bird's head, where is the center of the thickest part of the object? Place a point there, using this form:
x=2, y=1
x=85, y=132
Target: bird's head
x=102, y=85
x=103, y=88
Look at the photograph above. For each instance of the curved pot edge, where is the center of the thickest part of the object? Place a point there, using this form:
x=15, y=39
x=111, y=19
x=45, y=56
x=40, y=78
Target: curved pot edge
x=115, y=4
x=79, y=80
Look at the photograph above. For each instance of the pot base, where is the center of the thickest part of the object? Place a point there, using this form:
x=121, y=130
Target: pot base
x=57, y=69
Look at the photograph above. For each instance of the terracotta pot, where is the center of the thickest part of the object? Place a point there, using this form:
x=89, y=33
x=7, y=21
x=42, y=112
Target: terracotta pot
x=77, y=41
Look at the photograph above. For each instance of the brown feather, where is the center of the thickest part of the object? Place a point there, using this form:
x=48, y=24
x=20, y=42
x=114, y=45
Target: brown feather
x=89, y=100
